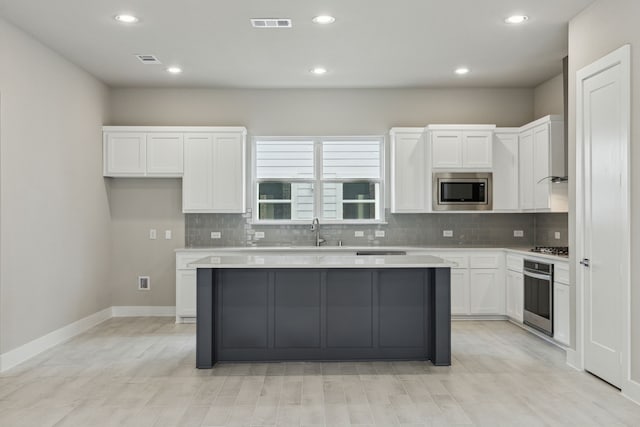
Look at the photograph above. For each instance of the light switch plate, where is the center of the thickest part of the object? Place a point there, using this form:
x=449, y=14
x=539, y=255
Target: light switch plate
x=557, y=235
x=168, y=235
x=359, y=234
x=447, y=233
x=518, y=233
x=153, y=234
x=216, y=235
x=259, y=235
x=380, y=233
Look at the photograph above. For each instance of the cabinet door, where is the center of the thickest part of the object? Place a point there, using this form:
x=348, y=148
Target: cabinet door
x=185, y=293
x=228, y=179
x=515, y=295
x=487, y=292
x=505, y=172
x=459, y=291
x=525, y=146
x=125, y=154
x=541, y=190
x=197, y=195
x=446, y=149
x=561, y=317
x=408, y=173
x=477, y=149
x=164, y=154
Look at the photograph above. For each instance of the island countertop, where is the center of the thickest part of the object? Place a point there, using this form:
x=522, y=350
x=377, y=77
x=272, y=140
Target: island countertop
x=321, y=261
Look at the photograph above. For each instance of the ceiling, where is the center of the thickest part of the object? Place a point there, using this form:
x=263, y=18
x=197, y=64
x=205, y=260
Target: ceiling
x=372, y=44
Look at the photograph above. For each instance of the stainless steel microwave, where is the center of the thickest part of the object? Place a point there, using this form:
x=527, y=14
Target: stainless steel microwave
x=462, y=191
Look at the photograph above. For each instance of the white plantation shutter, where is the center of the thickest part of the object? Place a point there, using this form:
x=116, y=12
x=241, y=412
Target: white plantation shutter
x=351, y=159
x=284, y=159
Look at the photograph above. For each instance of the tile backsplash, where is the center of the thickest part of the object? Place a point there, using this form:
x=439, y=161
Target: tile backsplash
x=469, y=229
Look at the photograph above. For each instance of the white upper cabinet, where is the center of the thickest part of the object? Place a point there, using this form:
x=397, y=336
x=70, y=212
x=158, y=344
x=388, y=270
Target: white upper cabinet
x=541, y=157
x=164, y=154
x=410, y=176
x=215, y=172
x=125, y=154
x=505, y=170
x=446, y=149
x=133, y=151
x=461, y=146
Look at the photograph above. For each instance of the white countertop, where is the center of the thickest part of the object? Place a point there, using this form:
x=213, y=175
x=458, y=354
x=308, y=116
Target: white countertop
x=321, y=261
x=351, y=250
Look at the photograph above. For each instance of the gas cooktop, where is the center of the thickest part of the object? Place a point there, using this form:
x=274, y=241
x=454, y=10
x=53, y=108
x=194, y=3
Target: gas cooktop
x=552, y=250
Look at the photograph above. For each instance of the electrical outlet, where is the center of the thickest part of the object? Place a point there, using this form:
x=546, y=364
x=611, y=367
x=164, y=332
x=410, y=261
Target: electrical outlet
x=144, y=283
x=259, y=235
x=557, y=235
x=153, y=234
x=216, y=235
x=447, y=233
x=167, y=235
x=359, y=234
x=380, y=233
x=518, y=233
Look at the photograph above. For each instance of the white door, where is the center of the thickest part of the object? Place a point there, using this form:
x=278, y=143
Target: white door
x=603, y=156
x=487, y=295
x=505, y=171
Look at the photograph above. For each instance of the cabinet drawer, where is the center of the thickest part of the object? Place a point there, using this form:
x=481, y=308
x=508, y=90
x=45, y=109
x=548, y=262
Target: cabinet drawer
x=561, y=273
x=485, y=261
x=514, y=263
x=462, y=261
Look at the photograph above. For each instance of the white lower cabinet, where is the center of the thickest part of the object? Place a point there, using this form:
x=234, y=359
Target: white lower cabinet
x=515, y=295
x=459, y=291
x=487, y=291
x=561, y=313
x=185, y=295
x=477, y=283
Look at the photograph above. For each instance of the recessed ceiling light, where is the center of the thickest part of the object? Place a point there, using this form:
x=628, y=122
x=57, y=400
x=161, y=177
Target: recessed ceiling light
x=174, y=70
x=318, y=71
x=516, y=19
x=324, y=19
x=462, y=71
x=126, y=19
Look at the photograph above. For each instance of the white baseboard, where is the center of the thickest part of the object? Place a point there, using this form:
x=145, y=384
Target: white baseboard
x=573, y=359
x=467, y=317
x=631, y=390
x=26, y=351
x=143, y=311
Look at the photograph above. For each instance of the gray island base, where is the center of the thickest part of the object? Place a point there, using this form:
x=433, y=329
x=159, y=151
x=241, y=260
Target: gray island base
x=323, y=310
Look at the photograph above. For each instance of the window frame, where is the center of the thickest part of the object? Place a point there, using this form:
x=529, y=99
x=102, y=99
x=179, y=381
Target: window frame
x=317, y=181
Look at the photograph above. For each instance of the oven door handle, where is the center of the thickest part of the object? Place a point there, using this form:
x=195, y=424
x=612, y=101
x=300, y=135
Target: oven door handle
x=537, y=275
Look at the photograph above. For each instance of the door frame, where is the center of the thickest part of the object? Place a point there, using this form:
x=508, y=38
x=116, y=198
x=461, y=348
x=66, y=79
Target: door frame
x=622, y=57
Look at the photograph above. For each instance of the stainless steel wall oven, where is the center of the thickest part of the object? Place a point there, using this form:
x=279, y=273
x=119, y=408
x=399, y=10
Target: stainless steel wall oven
x=538, y=296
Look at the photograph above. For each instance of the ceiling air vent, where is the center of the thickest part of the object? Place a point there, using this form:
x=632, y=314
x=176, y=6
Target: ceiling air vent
x=148, y=59
x=271, y=23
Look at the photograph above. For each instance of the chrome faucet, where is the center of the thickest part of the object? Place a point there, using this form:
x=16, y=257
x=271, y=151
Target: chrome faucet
x=315, y=226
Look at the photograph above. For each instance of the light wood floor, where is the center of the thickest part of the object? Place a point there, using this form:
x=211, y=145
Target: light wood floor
x=140, y=372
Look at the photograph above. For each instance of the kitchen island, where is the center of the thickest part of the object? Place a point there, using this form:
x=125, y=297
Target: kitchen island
x=322, y=307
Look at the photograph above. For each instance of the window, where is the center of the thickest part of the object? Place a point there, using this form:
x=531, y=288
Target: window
x=346, y=171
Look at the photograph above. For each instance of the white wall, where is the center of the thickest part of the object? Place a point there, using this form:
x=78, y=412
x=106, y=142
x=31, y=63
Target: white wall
x=54, y=215
x=600, y=29
x=548, y=98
